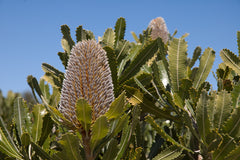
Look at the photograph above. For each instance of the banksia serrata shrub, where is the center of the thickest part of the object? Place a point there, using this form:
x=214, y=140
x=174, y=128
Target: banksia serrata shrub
x=159, y=29
x=87, y=76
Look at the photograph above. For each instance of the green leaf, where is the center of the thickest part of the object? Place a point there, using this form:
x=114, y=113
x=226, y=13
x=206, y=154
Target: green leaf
x=232, y=126
x=169, y=153
x=135, y=154
x=40, y=152
x=84, y=113
x=80, y=34
x=135, y=37
x=225, y=148
x=25, y=139
x=117, y=107
x=177, y=61
x=20, y=114
x=45, y=90
x=202, y=115
x=196, y=54
x=70, y=148
x=234, y=154
x=163, y=134
x=213, y=140
x=127, y=133
x=8, y=150
x=113, y=67
x=99, y=130
x=46, y=128
x=66, y=46
x=144, y=79
x=205, y=66
x=147, y=106
x=224, y=107
x=7, y=144
x=33, y=83
x=236, y=96
x=119, y=30
x=146, y=53
x=39, y=112
x=121, y=123
x=109, y=37
x=67, y=36
x=112, y=150
x=231, y=60
x=64, y=58
x=50, y=69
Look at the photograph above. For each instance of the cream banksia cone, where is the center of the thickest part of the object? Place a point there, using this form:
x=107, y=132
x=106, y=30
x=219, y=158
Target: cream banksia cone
x=87, y=76
x=159, y=29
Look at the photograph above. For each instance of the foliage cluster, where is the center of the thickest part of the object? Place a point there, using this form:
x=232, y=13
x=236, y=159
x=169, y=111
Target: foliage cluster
x=163, y=109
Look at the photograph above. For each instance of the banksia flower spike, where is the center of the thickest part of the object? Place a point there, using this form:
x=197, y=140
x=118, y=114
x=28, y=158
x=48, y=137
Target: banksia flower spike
x=159, y=29
x=87, y=76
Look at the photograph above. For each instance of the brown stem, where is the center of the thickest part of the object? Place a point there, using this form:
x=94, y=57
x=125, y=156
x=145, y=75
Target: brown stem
x=86, y=145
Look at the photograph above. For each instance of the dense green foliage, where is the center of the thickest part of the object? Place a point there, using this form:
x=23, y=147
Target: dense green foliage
x=163, y=109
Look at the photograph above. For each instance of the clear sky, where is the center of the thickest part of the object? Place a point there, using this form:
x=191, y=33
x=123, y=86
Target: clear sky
x=30, y=29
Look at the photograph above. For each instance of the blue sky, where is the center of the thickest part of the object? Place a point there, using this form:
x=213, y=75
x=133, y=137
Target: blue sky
x=30, y=29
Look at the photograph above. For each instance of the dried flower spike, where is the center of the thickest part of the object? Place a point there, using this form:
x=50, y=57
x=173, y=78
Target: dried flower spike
x=159, y=29
x=88, y=76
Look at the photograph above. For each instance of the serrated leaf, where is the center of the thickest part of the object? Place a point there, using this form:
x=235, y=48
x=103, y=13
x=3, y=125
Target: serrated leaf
x=148, y=106
x=40, y=152
x=45, y=90
x=231, y=60
x=196, y=54
x=39, y=112
x=46, y=129
x=223, y=108
x=80, y=34
x=127, y=133
x=202, y=115
x=112, y=150
x=67, y=36
x=9, y=151
x=64, y=58
x=113, y=67
x=213, y=140
x=70, y=148
x=33, y=83
x=144, y=79
x=100, y=129
x=135, y=154
x=119, y=30
x=7, y=144
x=232, y=125
x=109, y=37
x=144, y=54
x=169, y=153
x=50, y=69
x=227, y=145
x=20, y=114
x=234, y=154
x=84, y=113
x=164, y=135
x=135, y=37
x=66, y=46
x=177, y=61
x=117, y=107
x=236, y=95
x=206, y=62
x=122, y=50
